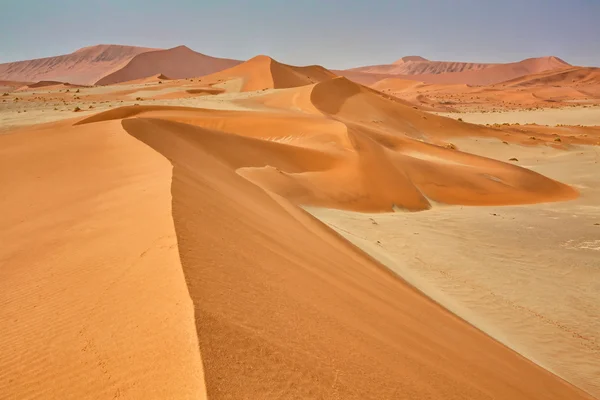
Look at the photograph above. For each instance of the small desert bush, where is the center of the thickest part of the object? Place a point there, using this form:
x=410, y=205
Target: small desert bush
x=139, y=99
x=4, y=94
x=76, y=109
x=460, y=119
x=557, y=139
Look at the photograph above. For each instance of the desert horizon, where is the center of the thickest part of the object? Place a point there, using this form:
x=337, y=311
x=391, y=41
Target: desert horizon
x=181, y=225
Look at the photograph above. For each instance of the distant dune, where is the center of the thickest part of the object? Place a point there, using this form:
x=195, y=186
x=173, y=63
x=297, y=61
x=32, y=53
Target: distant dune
x=262, y=72
x=176, y=63
x=575, y=76
x=85, y=66
x=454, y=73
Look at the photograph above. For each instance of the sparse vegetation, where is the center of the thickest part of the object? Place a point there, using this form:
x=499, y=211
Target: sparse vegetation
x=450, y=146
x=139, y=99
x=77, y=91
x=76, y=109
x=460, y=119
x=4, y=94
x=557, y=139
x=513, y=159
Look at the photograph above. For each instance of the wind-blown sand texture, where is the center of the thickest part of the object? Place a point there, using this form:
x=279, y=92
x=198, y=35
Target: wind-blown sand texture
x=173, y=259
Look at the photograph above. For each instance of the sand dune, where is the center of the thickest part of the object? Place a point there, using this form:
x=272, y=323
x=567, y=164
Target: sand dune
x=173, y=259
x=575, y=76
x=497, y=73
x=85, y=66
x=455, y=73
x=178, y=62
x=262, y=72
x=381, y=168
x=242, y=313
x=9, y=86
x=415, y=65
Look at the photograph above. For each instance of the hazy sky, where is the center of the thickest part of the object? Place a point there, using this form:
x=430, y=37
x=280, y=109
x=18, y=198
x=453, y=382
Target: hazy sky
x=336, y=34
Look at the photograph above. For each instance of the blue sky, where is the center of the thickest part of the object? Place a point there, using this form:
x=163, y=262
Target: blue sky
x=336, y=34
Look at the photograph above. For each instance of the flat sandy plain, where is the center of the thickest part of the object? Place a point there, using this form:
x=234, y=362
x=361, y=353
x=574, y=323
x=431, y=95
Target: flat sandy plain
x=156, y=245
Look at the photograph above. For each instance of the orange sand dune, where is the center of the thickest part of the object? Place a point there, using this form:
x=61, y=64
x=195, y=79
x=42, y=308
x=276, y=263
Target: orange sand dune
x=352, y=335
x=178, y=62
x=383, y=170
x=84, y=67
x=262, y=72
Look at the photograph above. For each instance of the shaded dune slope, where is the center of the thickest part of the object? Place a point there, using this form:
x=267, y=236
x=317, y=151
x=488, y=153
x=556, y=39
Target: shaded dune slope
x=324, y=323
x=176, y=63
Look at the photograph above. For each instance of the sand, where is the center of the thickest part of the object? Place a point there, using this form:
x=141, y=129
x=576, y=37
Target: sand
x=588, y=116
x=176, y=63
x=84, y=66
x=441, y=72
x=173, y=257
x=93, y=298
x=527, y=276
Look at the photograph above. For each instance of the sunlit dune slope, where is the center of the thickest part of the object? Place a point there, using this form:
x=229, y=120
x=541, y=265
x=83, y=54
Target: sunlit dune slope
x=262, y=72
